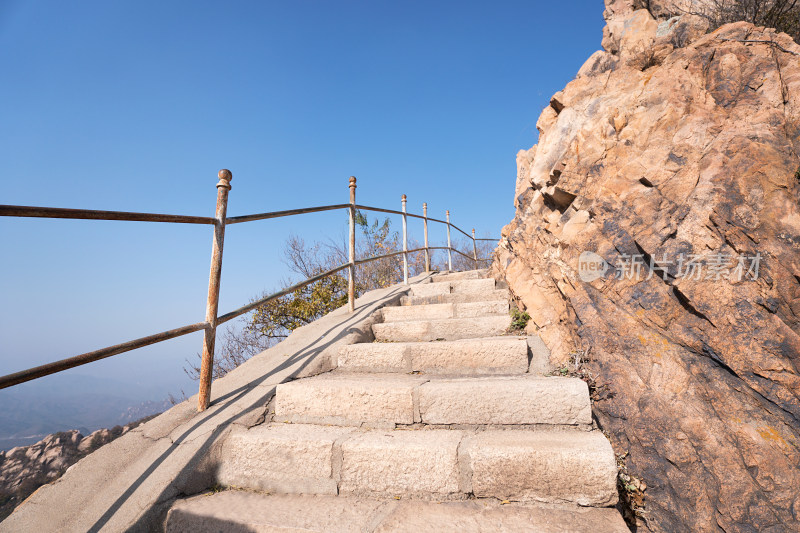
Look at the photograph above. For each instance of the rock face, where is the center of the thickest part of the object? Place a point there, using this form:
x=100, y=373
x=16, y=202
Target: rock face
x=673, y=156
x=25, y=468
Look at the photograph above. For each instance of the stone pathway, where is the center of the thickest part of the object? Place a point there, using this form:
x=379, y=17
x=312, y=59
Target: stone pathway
x=444, y=423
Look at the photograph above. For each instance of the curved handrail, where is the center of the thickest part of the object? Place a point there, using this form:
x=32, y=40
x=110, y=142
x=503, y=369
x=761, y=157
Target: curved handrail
x=92, y=214
x=219, y=222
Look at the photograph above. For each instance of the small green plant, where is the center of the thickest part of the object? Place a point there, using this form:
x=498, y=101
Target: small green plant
x=519, y=319
x=797, y=174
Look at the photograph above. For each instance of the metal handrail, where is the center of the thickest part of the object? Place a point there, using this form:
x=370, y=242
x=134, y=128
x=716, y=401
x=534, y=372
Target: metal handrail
x=90, y=214
x=288, y=212
x=252, y=305
x=213, y=319
x=456, y=250
x=89, y=357
x=394, y=212
x=385, y=256
x=462, y=231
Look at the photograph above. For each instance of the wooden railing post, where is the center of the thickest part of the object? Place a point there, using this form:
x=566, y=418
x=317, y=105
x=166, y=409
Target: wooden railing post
x=449, y=246
x=405, y=241
x=474, y=249
x=351, y=270
x=427, y=252
x=212, y=305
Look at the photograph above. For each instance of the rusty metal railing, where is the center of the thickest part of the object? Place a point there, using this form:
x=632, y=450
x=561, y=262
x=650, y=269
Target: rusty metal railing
x=213, y=319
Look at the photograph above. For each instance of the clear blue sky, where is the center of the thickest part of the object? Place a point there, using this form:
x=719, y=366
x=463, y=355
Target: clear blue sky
x=134, y=106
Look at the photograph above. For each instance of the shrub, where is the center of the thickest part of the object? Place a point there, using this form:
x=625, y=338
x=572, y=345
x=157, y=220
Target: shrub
x=680, y=36
x=783, y=15
x=519, y=319
x=644, y=57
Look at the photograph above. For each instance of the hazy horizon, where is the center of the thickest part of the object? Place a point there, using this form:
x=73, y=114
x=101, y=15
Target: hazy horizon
x=135, y=107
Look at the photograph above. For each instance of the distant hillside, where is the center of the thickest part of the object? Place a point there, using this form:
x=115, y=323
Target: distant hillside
x=65, y=402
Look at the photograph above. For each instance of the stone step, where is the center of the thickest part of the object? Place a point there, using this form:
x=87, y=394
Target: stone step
x=505, y=400
x=348, y=400
x=554, y=466
x=445, y=310
x=456, y=298
x=493, y=355
x=457, y=276
x=466, y=286
x=381, y=400
x=247, y=511
x=449, y=329
x=284, y=458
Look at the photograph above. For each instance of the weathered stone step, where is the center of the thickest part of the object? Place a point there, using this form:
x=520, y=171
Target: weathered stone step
x=567, y=466
x=445, y=310
x=348, y=400
x=457, y=276
x=460, y=286
x=505, y=400
x=248, y=511
x=494, y=355
x=285, y=458
x=455, y=298
x=448, y=329
x=576, y=466
x=381, y=400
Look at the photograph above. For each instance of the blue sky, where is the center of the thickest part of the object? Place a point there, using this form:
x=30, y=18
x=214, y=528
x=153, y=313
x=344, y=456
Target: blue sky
x=135, y=106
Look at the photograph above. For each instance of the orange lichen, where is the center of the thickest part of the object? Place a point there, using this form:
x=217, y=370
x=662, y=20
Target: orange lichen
x=770, y=433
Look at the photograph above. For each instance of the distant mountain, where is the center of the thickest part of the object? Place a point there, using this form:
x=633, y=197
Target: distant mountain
x=24, y=469
x=66, y=402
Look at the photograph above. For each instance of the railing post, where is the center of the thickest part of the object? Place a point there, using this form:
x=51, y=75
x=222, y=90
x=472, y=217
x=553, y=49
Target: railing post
x=449, y=246
x=351, y=282
x=405, y=242
x=209, y=337
x=474, y=249
x=427, y=252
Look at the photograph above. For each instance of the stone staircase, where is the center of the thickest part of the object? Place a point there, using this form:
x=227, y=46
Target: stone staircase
x=444, y=423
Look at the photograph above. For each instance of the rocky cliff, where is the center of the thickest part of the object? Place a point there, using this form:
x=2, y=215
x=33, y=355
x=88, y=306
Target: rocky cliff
x=657, y=239
x=25, y=468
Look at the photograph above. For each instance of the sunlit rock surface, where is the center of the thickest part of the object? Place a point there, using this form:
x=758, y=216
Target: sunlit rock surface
x=675, y=145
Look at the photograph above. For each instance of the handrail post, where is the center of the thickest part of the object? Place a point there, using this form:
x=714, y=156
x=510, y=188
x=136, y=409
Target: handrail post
x=449, y=246
x=427, y=252
x=212, y=305
x=405, y=241
x=474, y=249
x=351, y=281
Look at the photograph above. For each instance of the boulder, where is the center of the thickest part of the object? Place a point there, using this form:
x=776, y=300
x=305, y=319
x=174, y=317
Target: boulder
x=675, y=176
